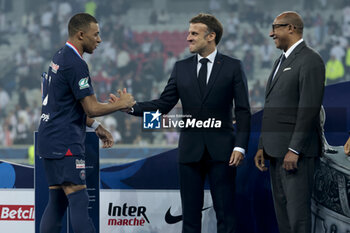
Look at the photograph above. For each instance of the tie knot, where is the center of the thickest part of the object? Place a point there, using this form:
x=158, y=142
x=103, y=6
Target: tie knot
x=204, y=61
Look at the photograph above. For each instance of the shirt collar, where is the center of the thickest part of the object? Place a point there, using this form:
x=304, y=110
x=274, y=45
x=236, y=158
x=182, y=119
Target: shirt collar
x=211, y=56
x=290, y=50
x=70, y=45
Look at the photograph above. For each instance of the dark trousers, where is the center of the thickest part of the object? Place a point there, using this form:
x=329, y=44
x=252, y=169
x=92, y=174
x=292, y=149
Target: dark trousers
x=222, y=188
x=292, y=194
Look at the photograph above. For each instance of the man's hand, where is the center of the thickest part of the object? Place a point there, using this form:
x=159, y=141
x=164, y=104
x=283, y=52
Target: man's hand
x=105, y=136
x=236, y=158
x=260, y=161
x=347, y=147
x=113, y=99
x=126, y=99
x=290, y=161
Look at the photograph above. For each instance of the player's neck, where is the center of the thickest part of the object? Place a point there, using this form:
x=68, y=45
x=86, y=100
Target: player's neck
x=77, y=45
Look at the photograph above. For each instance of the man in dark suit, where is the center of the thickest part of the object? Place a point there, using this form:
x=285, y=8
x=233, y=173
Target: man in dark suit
x=207, y=84
x=291, y=132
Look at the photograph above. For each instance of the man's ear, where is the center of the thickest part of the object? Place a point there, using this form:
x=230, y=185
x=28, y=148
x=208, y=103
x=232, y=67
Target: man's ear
x=80, y=35
x=291, y=28
x=212, y=36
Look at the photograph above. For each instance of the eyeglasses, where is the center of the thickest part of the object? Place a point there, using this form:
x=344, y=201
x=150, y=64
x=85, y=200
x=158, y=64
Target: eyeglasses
x=274, y=26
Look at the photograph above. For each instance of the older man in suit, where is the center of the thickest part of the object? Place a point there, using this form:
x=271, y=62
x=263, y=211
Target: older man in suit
x=207, y=84
x=291, y=134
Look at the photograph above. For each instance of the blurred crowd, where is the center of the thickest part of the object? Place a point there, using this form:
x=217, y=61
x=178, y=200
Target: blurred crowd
x=142, y=61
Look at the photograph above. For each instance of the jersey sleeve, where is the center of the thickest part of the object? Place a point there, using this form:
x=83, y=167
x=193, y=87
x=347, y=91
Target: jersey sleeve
x=81, y=81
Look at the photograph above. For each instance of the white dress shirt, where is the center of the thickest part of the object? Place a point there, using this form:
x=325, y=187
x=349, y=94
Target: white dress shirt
x=211, y=58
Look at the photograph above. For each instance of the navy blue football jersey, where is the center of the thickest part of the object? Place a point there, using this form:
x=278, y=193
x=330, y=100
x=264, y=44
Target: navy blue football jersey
x=63, y=120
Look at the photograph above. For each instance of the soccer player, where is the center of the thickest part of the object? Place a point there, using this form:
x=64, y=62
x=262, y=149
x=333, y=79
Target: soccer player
x=68, y=103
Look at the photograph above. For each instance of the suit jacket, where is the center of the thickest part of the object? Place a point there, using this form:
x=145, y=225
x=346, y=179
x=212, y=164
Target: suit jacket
x=227, y=83
x=292, y=105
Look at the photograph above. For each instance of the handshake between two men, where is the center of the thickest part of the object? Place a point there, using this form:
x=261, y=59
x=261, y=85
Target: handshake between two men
x=125, y=100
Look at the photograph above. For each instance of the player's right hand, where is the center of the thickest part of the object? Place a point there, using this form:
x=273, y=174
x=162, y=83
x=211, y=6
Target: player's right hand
x=113, y=98
x=126, y=100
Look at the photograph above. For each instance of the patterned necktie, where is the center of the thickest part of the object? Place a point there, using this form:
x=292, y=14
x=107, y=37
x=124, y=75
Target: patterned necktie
x=202, y=76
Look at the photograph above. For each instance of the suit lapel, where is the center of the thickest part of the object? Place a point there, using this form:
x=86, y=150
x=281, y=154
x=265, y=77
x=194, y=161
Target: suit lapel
x=214, y=74
x=268, y=85
x=285, y=64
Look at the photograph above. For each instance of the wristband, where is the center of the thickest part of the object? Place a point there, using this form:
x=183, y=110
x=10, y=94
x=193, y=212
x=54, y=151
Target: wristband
x=95, y=124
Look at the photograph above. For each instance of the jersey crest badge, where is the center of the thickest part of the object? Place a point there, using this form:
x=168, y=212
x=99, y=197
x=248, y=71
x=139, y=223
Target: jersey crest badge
x=84, y=83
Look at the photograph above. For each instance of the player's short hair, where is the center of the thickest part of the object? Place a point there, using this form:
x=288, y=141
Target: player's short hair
x=212, y=23
x=80, y=22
